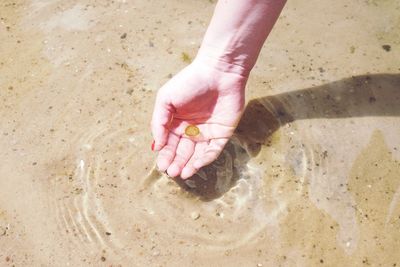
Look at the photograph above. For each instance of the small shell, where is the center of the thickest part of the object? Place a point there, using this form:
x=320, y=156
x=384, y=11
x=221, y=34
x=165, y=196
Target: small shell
x=192, y=130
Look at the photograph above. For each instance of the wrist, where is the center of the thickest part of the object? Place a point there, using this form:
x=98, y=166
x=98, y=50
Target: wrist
x=223, y=62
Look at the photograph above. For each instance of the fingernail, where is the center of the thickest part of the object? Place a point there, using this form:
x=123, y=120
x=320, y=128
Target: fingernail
x=152, y=145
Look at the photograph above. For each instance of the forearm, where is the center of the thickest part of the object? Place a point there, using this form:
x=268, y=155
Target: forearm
x=237, y=32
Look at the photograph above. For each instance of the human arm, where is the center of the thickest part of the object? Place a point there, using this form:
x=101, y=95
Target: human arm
x=209, y=93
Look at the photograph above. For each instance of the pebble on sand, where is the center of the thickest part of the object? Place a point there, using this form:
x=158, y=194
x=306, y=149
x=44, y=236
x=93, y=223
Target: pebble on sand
x=195, y=215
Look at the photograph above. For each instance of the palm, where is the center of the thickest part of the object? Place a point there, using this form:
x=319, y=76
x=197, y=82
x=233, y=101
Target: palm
x=212, y=101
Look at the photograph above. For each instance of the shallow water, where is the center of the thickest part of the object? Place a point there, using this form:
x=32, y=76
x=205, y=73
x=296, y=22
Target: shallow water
x=311, y=177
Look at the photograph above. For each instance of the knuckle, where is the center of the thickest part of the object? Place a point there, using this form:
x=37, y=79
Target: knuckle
x=166, y=153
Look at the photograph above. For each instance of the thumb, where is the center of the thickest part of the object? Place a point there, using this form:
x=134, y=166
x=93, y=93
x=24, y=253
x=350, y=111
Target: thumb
x=211, y=153
x=162, y=114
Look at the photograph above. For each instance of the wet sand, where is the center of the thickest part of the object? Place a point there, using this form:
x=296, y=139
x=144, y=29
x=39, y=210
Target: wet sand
x=311, y=177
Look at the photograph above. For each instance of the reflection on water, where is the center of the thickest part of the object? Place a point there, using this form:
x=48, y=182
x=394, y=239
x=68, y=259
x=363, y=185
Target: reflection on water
x=273, y=172
x=216, y=179
x=231, y=191
x=326, y=144
x=231, y=203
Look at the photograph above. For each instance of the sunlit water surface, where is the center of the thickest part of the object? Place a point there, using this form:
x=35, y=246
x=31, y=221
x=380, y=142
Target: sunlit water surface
x=312, y=175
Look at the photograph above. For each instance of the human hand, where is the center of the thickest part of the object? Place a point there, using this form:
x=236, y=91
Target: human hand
x=206, y=95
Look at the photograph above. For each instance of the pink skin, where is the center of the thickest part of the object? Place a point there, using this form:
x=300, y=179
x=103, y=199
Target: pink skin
x=209, y=93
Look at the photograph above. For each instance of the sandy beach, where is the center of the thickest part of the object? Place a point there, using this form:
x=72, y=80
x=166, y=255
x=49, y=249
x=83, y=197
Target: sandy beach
x=310, y=178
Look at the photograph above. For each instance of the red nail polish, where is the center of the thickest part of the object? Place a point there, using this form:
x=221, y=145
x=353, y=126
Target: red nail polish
x=152, y=145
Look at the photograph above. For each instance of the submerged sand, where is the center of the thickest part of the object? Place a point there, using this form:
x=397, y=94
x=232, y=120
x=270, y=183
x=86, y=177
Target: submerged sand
x=312, y=176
